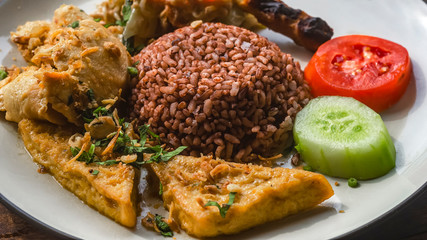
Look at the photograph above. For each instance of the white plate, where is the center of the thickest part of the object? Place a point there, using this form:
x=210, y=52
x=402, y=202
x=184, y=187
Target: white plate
x=404, y=22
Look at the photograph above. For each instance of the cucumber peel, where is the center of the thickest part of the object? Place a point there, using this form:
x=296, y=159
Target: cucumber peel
x=342, y=137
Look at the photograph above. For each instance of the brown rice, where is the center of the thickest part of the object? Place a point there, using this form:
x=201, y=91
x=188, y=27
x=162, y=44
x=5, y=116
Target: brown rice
x=219, y=90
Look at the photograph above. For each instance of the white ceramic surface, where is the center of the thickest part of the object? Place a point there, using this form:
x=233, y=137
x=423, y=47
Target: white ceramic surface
x=404, y=22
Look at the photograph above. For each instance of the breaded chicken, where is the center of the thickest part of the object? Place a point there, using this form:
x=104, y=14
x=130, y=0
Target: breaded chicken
x=110, y=191
x=262, y=194
x=78, y=63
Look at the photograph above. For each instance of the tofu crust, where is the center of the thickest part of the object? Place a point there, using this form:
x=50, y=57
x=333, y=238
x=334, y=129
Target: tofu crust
x=111, y=191
x=262, y=194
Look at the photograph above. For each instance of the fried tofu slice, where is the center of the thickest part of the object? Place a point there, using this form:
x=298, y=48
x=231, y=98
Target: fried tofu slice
x=262, y=194
x=110, y=191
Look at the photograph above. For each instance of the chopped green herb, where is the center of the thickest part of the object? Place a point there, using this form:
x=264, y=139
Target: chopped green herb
x=132, y=71
x=87, y=157
x=74, y=151
x=97, y=19
x=352, y=182
x=95, y=172
x=164, y=228
x=223, y=210
x=108, y=162
x=166, y=156
x=101, y=142
x=130, y=46
x=3, y=74
x=127, y=10
x=126, y=146
x=75, y=24
x=161, y=189
x=120, y=23
x=100, y=111
x=122, y=123
x=108, y=25
x=307, y=168
x=136, y=63
x=90, y=94
x=90, y=114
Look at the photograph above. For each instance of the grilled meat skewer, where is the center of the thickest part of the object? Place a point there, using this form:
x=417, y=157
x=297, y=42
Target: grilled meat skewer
x=309, y=32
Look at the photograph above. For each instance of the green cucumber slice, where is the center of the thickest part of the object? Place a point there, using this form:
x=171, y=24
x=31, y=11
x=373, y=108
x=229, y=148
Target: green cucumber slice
x=342, y=137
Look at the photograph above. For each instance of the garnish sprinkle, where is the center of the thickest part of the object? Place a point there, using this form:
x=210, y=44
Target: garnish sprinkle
x=87, y=157
x=75, y=24
x=223, y=210
x=3, y=74
x=132, y=71
x=126, y=11
x=161, y=189
x=164, y=228
x=126, y=146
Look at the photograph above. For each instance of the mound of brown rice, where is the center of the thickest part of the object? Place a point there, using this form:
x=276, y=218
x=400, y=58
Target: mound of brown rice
x=219, y=90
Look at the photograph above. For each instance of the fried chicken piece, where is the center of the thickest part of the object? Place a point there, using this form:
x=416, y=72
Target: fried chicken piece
x=75, y=68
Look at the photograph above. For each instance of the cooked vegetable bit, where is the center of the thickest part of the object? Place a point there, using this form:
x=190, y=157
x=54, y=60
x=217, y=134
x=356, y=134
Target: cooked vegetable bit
x=161, y=225
x=223, y=210
x=352, y=182
x=307, y=168
x=132, y=71
x=124, y=145
x=75, y=24
x=126, y=11
x=3, y=74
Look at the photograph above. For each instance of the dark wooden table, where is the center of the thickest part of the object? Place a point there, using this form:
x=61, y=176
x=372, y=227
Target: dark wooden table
x=408, y=222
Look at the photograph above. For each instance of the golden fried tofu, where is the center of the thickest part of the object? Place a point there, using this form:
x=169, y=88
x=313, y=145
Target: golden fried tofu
x=110, y=191
x=262, y=194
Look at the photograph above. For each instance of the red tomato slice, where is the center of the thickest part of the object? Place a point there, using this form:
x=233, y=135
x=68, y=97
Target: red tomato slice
x=372, y=70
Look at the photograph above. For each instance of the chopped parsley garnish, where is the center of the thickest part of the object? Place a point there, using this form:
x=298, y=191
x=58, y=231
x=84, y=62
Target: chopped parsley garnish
x=223, y=210
x=161, y=189
x=87, y=157
x=94, y=172
x=75, y=24
x=108, y=25
x=133, y=71
x=3, y=74
x=307, y=168
x=90, y=94
x=90, y=114
x=97, y=19
x=108, y=162
x=126, y=11
x=164, y=228
x=124, y=145
x=130, y=46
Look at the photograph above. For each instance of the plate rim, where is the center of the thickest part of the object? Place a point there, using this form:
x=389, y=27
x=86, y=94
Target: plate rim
x=58, y=234
x=382, y=217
